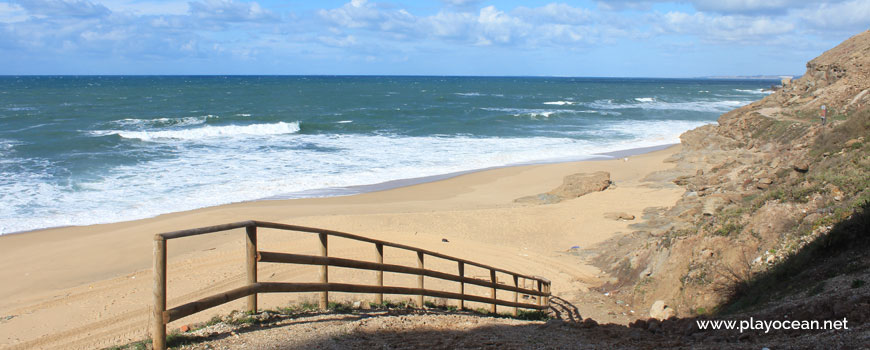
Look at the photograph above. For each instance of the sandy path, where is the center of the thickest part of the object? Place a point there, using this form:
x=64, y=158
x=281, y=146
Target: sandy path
x=89, y=287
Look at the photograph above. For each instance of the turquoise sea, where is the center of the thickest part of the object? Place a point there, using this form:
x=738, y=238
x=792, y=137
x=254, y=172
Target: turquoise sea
x=77, y=150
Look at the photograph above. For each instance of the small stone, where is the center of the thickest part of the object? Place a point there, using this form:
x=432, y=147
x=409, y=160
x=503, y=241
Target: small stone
x=852, y=142
x=801, y=167
x=619, y=216
x=744, y=337
x=444, y=240
x=357, y=304
x=657, y=310
x=184, y=328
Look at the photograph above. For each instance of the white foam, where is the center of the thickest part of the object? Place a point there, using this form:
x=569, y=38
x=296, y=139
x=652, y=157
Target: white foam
x=716, y=106
x=243, y=115
x=755, y=91
x=344, y=121
x=163, y=122
x=645, y=99
x=559, y=103
x=466, y=93
x=208, y=131
x=277, y=164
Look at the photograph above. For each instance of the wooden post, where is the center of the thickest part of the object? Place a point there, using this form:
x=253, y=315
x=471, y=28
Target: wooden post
x=540, y=289
x=492, y=292
x=548, y=297
x=420, y=279
x=158, y=327
x=516, y=294
x=379, y=298
x=462, y=286
x=251, y=234
x=324, y=273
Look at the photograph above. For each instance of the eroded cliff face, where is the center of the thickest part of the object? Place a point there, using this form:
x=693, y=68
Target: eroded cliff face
x=761, y=186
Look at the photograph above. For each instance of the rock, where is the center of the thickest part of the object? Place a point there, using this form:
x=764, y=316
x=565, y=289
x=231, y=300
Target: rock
x=661, y=311
x=576, y=185
x=445, y=240
x=763, y=183
x=589, y=323
x=852, y=142
x=801, y=167
x=365, y=306
x=184, y=328
x=573, y=186
x=743, y=337
x=618, y=216
x=357, y=304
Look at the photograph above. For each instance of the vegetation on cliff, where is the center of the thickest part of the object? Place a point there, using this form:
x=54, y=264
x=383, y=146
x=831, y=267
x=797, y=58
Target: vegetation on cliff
x=776, y=202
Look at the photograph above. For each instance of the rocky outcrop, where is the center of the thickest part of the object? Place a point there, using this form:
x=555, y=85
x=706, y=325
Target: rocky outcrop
x=763, y=183
x=573, y=186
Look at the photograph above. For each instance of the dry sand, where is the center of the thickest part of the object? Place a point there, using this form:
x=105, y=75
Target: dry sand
x=90, y=287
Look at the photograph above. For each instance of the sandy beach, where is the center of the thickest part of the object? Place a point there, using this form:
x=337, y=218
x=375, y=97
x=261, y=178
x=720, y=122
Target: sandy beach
x=90, y=287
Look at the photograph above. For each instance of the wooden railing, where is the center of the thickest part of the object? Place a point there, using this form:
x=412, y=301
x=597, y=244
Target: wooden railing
x=162, y=316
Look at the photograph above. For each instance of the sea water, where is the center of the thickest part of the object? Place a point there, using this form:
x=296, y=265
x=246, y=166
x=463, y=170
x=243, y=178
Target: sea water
x=86, y=150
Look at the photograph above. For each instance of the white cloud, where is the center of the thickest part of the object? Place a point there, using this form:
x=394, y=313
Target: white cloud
x=231, y=11
x=64, y=8
x=851, y=15
x=11, y=13
x=148, y=8
x=724, y=28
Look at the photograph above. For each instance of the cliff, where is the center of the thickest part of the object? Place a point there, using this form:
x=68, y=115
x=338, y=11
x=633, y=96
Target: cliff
x=770, y=194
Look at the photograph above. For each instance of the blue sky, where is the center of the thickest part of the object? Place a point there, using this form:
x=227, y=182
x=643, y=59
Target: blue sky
x=622, y=38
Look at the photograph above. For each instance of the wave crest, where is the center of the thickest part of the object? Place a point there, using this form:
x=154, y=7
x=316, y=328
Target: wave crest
x=209, y=131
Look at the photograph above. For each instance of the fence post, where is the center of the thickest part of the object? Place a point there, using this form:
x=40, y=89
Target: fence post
x=540, y=289
x=158, y=327
x=379, y=298
x=548, y=297
x=324, y=273
x=251, y=233
x=420, y=279
x=462, y=286
x=492, y=293
x=516, y=294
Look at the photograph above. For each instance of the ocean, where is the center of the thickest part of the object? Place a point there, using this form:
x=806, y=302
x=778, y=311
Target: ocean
x=80, y=150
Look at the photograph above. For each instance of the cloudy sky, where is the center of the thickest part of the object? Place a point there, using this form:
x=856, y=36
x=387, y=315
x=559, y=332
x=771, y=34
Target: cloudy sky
x=622, y=38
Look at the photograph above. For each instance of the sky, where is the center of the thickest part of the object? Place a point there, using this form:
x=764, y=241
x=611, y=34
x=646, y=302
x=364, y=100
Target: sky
x=622, y=38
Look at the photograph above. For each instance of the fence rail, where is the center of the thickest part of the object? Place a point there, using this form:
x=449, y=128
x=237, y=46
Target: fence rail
x=163, y=316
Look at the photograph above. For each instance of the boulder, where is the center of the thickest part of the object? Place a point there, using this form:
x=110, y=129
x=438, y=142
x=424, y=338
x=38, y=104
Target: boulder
x=576, y=185
x=801, y=167
x=661, y=311
x=573, y=186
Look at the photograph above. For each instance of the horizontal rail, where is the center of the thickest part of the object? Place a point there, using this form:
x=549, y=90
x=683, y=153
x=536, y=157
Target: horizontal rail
x=162, y=316
x=271, y=257
x=254, y=223
x=204, y=230
x=275, y=287
x=389, y=244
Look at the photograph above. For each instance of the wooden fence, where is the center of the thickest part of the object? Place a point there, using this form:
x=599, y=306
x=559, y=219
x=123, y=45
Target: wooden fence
x=162, y=316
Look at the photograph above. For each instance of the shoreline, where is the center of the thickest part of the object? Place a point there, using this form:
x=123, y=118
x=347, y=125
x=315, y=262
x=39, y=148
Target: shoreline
x=83, y=287
x=331, y=192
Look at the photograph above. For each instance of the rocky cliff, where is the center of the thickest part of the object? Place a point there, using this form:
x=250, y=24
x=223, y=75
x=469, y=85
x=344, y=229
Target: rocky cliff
x=767, y=191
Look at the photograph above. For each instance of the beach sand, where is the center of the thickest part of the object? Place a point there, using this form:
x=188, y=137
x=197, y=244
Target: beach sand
x=90, y=287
